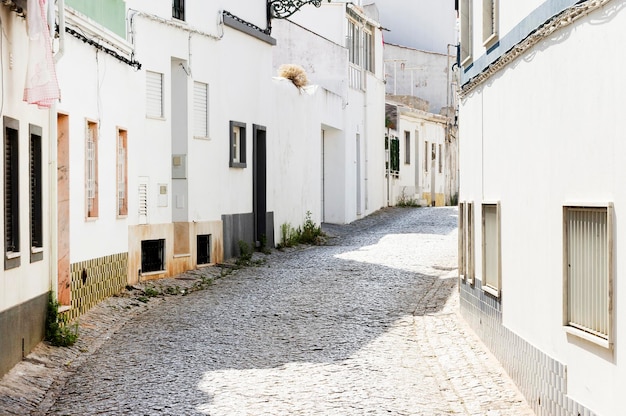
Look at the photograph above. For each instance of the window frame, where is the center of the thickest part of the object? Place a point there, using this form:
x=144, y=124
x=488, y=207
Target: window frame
x=490, y=22
x=36, y=192
x=91, y=170
x=426, y=156
x=155, y=100
x=178, y=10
x=603, y=340
x=407, y=147
x=12, y=257
x=237, y=150
x=201, y=110
x=465, y=21
x=122, y=172
x=487, y=283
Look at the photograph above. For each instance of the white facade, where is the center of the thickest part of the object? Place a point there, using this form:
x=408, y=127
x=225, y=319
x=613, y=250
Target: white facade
x=422, y=158
x=25, y=277
x=535, y=141
x=352, y=119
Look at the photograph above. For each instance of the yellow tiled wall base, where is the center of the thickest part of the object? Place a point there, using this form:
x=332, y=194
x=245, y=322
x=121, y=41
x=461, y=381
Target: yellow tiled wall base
x=105, y=277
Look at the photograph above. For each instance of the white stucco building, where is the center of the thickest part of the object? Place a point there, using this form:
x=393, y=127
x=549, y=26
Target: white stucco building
x=340, y=47
x=541, y=196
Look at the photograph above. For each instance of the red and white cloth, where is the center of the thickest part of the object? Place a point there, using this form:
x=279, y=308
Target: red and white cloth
x=42, y=86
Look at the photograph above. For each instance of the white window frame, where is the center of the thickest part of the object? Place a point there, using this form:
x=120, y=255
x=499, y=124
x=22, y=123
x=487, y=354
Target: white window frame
x=490, y=22
x=467, y=269
x=580, y=325
x=201, y=110
x=154, y=95
x=122, y=173
x=466, y=15
x=91, y=169
x=491, y=284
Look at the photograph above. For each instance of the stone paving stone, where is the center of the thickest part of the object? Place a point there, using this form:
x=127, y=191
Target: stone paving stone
x=365, y=325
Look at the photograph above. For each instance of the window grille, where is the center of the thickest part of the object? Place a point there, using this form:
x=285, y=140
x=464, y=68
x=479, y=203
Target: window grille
x=152, y=256
x=200, y=109
x=588, y=269
x=203, y=251
x=426, y=158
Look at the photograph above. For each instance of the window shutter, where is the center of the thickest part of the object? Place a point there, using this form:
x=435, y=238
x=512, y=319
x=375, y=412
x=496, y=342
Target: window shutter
x=154, y=94
x=200, y=109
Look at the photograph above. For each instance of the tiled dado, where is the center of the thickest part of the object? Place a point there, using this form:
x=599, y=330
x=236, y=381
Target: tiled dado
x=95, y=280
x=542, y=379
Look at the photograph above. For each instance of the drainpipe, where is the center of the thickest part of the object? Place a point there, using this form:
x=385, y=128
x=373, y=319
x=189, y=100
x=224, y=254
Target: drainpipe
x=52, y=156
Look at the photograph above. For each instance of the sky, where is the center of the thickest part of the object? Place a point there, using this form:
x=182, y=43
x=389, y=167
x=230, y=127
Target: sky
x=428, y=25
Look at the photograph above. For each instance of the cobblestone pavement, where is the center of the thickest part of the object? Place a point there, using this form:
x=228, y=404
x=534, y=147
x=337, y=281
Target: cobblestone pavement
x=367, y=324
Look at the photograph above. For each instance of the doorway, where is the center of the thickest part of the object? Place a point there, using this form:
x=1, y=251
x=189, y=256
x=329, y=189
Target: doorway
x=259, y=178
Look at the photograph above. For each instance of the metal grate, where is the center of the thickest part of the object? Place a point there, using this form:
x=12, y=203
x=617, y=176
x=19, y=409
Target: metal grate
x=11, y=191
x=152, y=256
x=36, y=213
x=588, y=289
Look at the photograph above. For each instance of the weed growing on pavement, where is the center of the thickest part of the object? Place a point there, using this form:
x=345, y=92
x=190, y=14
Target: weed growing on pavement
x=407, y=201
x=151, y=291
x=58, y=331
x=308, y=233
x=245, y=254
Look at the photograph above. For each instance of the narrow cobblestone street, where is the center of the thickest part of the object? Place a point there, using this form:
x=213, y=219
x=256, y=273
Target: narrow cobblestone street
x=367, y=324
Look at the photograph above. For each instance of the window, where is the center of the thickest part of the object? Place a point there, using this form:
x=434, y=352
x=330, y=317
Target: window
x=392, y=146
x=588, y=272
x=203, y=249
x=407, y=147
x=354, y=42
x=466, y=241
x=200, y=109
x=143, y=200
x=91, y=169
x=36, y=190
x=237, y=144
x=466, y=31
x=154, y=94
x=152, y=256
x=178, y=9
x=426, y=160
x=490, y=22
x=491, y=249
x=11, y=194
x=368, y=48
x=440, y=160
x=122, y=172
x=360, y=43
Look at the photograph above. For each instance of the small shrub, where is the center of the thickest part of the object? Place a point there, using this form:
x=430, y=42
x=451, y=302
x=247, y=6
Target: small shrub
x=245, y=253
x=310, y=231
x=58, y=332
x=294, y=73
x=151, y=291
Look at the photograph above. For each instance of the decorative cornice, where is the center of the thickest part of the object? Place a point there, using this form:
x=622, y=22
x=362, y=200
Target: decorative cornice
x=563, y=19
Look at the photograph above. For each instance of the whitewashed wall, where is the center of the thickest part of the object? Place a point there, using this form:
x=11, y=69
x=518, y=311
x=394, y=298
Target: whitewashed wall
x=536, y=139
x=29, y=280
x=427, y=72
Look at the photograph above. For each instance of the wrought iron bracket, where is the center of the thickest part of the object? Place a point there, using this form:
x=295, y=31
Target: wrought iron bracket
x=282, y=9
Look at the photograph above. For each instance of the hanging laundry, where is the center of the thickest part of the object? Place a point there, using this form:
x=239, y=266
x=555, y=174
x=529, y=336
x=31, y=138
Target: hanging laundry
x=42, y=86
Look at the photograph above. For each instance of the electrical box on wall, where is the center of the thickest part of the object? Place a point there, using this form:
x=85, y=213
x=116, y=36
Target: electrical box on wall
x=162, y=195
x=179, y=166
